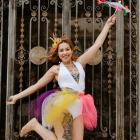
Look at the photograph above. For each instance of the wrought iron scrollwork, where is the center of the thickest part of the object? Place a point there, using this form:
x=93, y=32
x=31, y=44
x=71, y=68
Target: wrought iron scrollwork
x=35, y=8
x=21, y=55
x=19, y=2
x=44, y=8
x=77, y=50
x=103, y=129
x=99, y=8
x=80, y=2
x=89, y=8
x=133, y=71
x=52, y=2
x=26, y=1
x=110, y=58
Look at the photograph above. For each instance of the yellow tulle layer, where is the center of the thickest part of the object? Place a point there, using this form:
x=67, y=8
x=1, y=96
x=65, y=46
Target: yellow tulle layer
x=56, y=113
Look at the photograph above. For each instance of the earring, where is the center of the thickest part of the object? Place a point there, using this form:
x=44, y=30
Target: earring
x=59, y=60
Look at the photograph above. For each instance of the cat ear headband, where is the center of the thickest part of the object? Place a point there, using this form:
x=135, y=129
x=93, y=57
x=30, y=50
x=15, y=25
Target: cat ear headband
x=117, y=5
x=56, y=41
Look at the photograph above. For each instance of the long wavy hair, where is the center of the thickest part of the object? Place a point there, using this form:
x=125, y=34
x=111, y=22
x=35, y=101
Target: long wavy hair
x=54, y=57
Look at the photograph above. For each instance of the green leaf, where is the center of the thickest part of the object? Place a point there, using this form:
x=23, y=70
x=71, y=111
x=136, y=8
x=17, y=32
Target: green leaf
x=124, y=13
x=105, y=5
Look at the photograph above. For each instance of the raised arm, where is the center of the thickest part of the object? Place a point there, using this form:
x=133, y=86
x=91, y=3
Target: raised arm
x=48, y=77
x=84, y=59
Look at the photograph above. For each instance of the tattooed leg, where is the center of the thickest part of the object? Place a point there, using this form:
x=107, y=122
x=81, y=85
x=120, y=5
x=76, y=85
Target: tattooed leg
x=68, y=129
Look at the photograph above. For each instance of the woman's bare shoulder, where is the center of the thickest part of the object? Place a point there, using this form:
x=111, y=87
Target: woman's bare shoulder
x=55, y=68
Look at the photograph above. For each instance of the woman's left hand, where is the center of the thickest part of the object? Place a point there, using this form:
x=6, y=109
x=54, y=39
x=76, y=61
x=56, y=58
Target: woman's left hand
x=111, y=20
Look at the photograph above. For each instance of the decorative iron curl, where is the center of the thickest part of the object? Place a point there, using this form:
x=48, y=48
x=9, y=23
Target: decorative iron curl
x=60, y=6
x=35, y=8
x=88, y=20
x=20, y=1
x=134, y=96
x=104, y=129
x=89, y=8
x=134, y=17
x=43, y=19
x=134, y=76
x=21, y=56
x=26, y=1
x=98, y=20
x=133, y=117
x=133, y=56
x=43, y=8
x=113, y=136
x=16, y=134
x=34, y=19
x=72, y=6
x=80, y=2
x=134, y=36
x=133, y=93
x=99, y=8
x=52, y=2
x=18, y=5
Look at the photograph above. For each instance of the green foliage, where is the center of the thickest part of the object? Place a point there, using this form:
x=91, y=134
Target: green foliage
x=124, y=12
x=105, y=5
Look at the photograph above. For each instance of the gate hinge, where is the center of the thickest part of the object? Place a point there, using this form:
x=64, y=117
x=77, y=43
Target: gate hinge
x=120, y=128
x=11, y=64
x=9, y=130
x=120, y=65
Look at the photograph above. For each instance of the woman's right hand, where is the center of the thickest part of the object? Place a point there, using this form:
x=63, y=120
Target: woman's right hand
x=13, y=100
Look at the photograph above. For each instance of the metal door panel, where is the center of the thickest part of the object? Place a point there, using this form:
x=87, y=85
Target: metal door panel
x=32, y=25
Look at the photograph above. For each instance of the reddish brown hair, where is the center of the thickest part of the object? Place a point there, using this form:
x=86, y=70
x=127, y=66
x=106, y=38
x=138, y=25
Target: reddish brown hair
x=53, y=56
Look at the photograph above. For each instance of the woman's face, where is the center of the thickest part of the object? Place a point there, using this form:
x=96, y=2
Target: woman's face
x=65, y=52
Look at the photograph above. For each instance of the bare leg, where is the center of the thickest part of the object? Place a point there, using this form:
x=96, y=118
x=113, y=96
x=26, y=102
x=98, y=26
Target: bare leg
x=78, y=128
x=34, y=125
x=59, y=134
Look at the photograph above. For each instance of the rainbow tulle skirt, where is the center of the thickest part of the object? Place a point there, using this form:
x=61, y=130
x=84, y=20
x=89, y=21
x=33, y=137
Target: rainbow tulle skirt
x=55, y=107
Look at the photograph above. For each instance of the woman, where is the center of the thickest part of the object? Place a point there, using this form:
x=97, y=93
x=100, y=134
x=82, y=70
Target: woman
x=67, y=110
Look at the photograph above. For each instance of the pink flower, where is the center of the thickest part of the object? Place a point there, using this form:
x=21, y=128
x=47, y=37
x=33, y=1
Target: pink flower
x=81, y=94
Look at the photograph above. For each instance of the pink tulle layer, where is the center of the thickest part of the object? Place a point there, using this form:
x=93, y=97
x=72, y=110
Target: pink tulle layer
x=89, y=112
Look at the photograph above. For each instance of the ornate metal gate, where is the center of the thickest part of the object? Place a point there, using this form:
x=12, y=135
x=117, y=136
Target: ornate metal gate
x=114, y=83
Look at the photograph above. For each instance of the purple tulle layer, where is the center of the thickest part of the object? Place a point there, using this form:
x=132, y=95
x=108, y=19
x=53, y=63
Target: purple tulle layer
x=35, y=108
